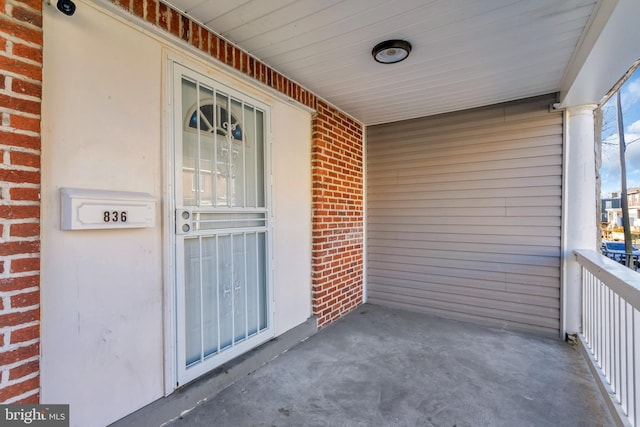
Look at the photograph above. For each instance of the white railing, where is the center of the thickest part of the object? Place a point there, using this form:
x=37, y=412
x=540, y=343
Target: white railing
x=611, y=330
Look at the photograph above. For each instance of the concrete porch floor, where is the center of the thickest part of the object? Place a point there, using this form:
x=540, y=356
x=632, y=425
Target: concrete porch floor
x=386, y=367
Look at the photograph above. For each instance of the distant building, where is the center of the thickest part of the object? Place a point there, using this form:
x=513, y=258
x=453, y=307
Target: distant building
x=610, y=210
x=633, y=200
x=611, y=215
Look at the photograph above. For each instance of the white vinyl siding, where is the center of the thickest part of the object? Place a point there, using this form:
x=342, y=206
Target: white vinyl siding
x=464, y=215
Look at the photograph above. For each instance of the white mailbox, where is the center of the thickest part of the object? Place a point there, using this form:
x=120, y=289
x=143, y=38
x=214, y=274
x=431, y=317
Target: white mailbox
x=84, y=209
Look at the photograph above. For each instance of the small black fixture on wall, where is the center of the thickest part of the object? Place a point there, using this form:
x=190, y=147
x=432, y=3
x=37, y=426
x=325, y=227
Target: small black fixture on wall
x=67, y=7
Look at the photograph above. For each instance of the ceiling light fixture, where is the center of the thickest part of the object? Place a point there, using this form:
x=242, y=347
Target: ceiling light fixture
x=391, y=51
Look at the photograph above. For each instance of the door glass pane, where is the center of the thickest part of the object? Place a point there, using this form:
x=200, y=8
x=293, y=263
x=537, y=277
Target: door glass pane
x=262, y=280
x=189, y=144
x=249, y=122
x=239, y=288
x=260, y=158
x=225, y=289
x=209, y=295
x=207, y=149
x=223, y=156
x=237, y=159
x=252, y=283
x=192, y=300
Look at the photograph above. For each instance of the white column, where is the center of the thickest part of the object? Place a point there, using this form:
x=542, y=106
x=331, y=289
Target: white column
x=579, y=224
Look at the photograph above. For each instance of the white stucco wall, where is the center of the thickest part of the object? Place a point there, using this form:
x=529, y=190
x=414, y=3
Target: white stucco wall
x=103, y=314
x=292, y=207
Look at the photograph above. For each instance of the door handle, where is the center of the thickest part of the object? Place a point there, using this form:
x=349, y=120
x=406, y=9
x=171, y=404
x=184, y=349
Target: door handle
x=184, y=223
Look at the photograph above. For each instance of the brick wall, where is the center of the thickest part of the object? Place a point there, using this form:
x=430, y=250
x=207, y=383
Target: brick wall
x=20, y=94
x=337, y=175
x=337, y=166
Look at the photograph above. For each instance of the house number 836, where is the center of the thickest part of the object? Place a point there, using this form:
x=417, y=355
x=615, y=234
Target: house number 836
x=114, y=216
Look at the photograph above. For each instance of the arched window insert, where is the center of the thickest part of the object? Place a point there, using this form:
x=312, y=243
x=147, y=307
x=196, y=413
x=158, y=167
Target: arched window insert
x=218, y=122
x=222, y=149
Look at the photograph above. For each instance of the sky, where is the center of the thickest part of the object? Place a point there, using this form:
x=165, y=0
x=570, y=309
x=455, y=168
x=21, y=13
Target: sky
x=610, y=169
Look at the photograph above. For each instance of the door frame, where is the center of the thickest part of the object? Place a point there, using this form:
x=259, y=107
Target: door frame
x=170, y=309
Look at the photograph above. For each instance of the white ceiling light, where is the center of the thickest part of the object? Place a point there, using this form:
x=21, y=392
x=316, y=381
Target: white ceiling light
x=391, y=51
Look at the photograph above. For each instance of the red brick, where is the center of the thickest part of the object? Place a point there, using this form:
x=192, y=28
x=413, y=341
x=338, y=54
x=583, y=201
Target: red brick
x=25, y=300
x=138, y=8
x=205, y=38
x=21, y=265
x=229, y=56
x=184, y=27
x=19, y=104
x=2, y=83
x=195, y=34
x=222, y=50
x=16, y=248
x=27, y=15
x=252, y=67
x=174, y=22
x=267, y=77
x=19, y=157
x=213, y=46
x=20, y=31
x=16, y=283
x=163, y=16
x=151, y=11
x=19, y=212
x=29, y=333
x=244, y=63
x=19, y=176
x=15, y=319
x=27, y=229
x=19, y=388
x=24, y=370
x=24, y=194
x=26, y=88
x=25, y=123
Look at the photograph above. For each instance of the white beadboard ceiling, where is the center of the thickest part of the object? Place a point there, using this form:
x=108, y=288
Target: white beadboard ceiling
x=466, y=53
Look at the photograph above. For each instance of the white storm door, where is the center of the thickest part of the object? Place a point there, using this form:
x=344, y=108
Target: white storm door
x=222, y=223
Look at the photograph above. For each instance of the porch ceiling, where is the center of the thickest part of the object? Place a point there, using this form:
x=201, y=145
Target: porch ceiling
x=466, y=53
